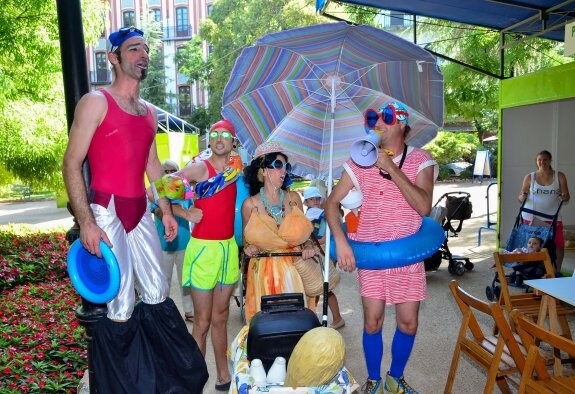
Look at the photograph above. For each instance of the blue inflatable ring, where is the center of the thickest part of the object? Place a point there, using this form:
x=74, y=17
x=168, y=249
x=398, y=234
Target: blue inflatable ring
x=95, y=279
x=400, y=252
x=243, y=193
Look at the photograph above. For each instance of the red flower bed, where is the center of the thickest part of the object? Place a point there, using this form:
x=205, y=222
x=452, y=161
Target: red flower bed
x=30, y=255
x=41, y=343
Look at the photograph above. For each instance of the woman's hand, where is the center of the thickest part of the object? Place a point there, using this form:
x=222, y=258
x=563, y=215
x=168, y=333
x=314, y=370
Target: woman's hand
x=307, y=252
x=251, y=250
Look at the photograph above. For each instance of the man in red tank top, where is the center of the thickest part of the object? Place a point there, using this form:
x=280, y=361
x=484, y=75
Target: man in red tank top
x=211, y=262
x=144, y=348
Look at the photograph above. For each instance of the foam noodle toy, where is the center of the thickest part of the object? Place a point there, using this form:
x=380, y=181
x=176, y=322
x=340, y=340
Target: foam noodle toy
x=397, y=253
x=242, y=194
x=95, y=279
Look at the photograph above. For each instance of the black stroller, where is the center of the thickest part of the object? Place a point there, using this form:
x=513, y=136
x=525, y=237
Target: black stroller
x=457, y=209
x=518, y=239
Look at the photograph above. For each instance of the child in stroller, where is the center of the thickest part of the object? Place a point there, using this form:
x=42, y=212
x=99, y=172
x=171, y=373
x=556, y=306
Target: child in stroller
x=525, y=238
x=525, y=271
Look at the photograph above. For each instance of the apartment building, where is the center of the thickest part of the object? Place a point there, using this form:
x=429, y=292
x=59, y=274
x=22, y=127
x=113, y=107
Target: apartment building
x=180, y=21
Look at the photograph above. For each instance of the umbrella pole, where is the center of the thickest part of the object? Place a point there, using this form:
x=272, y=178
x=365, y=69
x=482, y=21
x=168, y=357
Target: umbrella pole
x=326, y=264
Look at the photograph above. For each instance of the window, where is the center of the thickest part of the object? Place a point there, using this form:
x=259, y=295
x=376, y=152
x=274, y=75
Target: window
x=156, y=14
x=182, y=29
x=101, y=67
x=185, y=100
x=210, y=9
x=129, y=18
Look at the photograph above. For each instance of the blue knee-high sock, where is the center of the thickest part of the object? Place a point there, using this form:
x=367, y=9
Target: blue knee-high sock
x=400, y=351
x=373, y=352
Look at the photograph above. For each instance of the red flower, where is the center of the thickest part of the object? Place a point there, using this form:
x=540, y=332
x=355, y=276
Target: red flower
x=7, y=371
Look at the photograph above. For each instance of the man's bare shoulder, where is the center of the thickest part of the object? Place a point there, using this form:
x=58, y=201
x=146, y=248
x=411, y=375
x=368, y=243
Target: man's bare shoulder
x=95, y=100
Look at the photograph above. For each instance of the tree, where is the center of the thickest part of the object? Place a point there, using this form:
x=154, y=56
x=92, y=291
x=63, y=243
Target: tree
x=32, y=120
x=449, y=147
x=199, y=118
x=233, y=25
x=468, y=93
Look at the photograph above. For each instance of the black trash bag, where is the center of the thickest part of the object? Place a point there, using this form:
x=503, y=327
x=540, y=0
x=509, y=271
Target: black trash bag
x=458, y=208
x=152, y=352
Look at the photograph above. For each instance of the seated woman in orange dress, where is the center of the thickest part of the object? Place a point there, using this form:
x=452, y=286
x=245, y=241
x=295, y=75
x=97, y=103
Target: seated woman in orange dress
x=273, y=221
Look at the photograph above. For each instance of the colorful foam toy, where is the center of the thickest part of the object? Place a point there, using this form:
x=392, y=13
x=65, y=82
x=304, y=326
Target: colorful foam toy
x=172, y=187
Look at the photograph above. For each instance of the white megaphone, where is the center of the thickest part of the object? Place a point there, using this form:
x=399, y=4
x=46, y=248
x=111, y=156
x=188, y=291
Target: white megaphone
x=364, y=151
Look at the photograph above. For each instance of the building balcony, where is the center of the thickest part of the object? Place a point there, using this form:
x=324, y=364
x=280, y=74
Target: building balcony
x=179, y=32
x=101, y=77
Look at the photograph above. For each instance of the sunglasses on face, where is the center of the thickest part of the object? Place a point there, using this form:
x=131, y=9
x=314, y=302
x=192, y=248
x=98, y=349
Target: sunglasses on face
x=226, y=135
x=387, y=114
x=169, y=171
x=277, y=164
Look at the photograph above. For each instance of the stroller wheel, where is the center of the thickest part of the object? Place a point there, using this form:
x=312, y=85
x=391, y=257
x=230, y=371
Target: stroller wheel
x=469, y=265
x=451, y=267
x=459, y=268
x=489, y=293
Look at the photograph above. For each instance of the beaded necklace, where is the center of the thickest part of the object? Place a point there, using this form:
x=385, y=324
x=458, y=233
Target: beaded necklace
x=275, y=211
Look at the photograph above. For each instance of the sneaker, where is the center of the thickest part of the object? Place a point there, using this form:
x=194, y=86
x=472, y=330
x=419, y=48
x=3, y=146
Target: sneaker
x=397, y=386
x=372, y=387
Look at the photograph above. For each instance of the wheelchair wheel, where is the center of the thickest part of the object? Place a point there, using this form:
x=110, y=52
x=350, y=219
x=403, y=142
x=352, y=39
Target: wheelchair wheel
x=489, y=293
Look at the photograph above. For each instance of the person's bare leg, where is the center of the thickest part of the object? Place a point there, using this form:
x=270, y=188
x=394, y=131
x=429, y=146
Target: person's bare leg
x=203, y=315
x=220, y=313
x=312, y=303
x=334, y=308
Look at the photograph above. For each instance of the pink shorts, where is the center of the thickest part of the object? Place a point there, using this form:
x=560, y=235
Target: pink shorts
x=394, y=285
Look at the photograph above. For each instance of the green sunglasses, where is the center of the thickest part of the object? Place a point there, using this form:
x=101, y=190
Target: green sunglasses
x=226, y=135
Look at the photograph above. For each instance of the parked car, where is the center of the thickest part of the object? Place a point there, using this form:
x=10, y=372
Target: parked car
x=455, y=169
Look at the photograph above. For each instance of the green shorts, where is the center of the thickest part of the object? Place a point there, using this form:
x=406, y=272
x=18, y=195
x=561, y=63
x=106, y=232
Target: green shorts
x=209, y=262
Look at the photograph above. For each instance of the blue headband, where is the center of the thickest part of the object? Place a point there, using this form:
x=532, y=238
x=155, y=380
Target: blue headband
x=117, y=38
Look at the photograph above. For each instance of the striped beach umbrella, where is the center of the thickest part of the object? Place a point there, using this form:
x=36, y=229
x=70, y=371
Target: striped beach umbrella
x=308, y=88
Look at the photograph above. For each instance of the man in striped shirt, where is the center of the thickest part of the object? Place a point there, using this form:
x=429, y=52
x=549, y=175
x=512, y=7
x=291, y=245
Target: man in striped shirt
x=397, y=193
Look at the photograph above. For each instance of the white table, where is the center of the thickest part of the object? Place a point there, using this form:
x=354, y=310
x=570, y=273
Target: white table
x=560, y=288
x=553, y=289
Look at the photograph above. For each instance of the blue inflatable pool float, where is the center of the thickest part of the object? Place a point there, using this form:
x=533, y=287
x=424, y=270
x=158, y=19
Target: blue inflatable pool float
x=242, y=194
x=400, y=252
x=95, y=279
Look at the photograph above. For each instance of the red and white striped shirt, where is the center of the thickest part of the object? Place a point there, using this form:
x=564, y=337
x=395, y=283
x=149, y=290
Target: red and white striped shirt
x=385, y=216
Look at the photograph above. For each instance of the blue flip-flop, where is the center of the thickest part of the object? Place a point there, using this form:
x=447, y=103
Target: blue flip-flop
x=95, y=279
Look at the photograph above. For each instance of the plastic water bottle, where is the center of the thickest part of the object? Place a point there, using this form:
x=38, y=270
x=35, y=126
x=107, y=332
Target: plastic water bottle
x=258, y=372
x=277, y=372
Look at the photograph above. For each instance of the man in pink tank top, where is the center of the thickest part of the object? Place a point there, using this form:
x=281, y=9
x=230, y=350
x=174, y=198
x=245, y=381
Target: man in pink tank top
x=397, y=192
x=144, y=348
